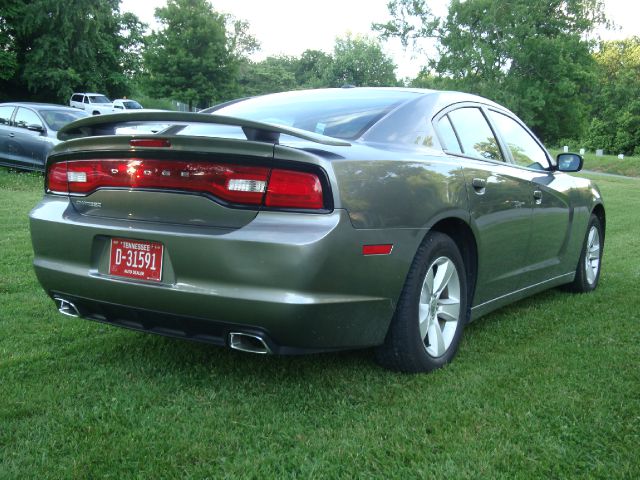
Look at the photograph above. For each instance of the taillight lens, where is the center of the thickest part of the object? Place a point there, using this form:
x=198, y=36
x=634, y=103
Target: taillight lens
x=238, y=184
x=289, y=189
x=57, y=178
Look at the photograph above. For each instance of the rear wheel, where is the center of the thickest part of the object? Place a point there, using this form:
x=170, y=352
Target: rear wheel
x=432, y=310
x=588, y=270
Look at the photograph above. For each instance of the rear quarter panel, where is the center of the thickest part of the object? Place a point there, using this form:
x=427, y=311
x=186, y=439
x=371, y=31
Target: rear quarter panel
x=410, y=192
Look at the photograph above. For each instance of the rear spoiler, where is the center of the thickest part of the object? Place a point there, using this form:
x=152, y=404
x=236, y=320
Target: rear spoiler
x=100, y=125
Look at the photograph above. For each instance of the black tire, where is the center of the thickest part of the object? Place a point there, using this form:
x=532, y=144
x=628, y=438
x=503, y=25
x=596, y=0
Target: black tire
x=586, y=280
x=404, y=348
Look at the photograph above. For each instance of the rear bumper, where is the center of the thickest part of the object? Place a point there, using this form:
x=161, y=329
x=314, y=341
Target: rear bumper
x=300, y=280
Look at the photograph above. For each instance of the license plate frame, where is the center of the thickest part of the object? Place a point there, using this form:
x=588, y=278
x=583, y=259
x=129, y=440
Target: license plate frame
x=136, y=259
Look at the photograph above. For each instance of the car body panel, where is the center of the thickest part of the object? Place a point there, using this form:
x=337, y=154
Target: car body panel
x=300, y=277
x=278, y=272
x=501, y=213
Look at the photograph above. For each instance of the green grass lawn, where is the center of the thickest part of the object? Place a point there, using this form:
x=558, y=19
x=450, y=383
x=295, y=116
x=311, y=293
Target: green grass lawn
x=546, y=388
x=628, y=166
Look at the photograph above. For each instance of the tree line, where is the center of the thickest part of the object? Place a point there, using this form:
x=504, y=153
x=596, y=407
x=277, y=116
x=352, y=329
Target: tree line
x=52, y=48
x=540, y=58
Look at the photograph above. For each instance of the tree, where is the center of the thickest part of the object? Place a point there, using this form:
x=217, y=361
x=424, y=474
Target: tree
x=195, y=55
x=273, y=74
x=58, y=46
x=8, y=58
x=616, y=106
x=529, y=55
x=360, y=61
x=314, y=69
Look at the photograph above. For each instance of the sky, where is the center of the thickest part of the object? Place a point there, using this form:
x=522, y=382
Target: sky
x=289, y=27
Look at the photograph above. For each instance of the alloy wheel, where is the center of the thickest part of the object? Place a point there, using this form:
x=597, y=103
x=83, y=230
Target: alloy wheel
x=592, y=255
x=439, y=308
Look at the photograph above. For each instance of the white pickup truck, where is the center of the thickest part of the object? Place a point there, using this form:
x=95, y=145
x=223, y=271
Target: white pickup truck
x=98, y=104
x=93, y=103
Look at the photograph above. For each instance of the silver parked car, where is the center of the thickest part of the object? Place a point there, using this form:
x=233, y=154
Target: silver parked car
x=28, y=131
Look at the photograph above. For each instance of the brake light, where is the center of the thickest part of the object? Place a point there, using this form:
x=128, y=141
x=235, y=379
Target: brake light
x=150, y=142
x=239, y=184
x=289, y=189
x=57, y=178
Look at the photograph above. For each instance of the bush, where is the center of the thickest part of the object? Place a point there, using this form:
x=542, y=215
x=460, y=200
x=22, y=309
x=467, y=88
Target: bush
x=159, y=103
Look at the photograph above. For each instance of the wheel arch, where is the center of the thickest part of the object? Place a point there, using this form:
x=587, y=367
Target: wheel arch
x=462, y=234
x=599, y=212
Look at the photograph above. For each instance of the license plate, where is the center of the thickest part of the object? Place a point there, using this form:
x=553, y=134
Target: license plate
x=136, y=259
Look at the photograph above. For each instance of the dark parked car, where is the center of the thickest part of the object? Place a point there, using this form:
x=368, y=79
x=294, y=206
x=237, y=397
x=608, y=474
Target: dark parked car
x=28, y=131
x=314, y=220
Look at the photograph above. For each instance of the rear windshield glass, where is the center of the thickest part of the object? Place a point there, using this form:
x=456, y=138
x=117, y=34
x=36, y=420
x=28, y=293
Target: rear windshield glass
x=340, y=113
x=132, y=105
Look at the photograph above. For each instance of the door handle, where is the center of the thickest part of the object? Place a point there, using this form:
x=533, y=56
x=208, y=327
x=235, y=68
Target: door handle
x=12, y=135
x=537, y=195
x=479, y=184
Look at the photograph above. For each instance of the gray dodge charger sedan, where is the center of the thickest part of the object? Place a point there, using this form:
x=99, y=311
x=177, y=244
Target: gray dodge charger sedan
x=314, y=221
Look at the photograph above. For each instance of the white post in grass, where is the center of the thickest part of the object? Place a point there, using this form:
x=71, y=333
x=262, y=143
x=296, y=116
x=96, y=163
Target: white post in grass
x=599, y=153
x=566, y=149
x=582, y=151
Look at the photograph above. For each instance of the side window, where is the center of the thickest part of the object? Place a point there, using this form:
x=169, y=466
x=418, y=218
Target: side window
x=524, y=149
x=76, y=98
x=86, y=99
x=5, y=115
x=475, y=134
x=448, y=136
x=26, y=117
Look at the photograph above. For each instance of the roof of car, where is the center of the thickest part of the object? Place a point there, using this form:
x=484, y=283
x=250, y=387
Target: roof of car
x=89, y=93
x=38, y=105
x=445, y=95
x=451, y=95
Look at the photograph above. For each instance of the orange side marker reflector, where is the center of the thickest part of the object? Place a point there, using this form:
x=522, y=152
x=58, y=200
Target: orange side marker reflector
x=384, y=249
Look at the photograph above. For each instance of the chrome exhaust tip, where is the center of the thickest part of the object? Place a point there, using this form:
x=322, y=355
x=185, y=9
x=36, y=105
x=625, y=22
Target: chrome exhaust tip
x=246, y=342
x=67, y=308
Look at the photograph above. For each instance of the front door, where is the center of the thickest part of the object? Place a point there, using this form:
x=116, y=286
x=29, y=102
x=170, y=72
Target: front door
x=551, y=218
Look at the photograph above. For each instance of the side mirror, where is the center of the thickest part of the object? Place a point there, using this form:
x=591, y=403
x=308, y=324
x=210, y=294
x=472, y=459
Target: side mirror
x=34, y=127
x=569, y=162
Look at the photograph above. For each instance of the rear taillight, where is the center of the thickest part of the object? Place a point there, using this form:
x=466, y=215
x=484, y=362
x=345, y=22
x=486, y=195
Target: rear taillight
x=238, y=184
x=289, y=189
x=57, y=178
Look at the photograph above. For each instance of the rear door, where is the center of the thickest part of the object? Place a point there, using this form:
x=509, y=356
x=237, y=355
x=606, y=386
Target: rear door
x=500, y=199
x=6, y=133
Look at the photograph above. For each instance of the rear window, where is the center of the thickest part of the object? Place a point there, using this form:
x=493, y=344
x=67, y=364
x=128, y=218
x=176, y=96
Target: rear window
x=132, y=105
x=56, y=119
x=475, y=134
x=339, y=113
x=5, y=115
x=98, y=99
